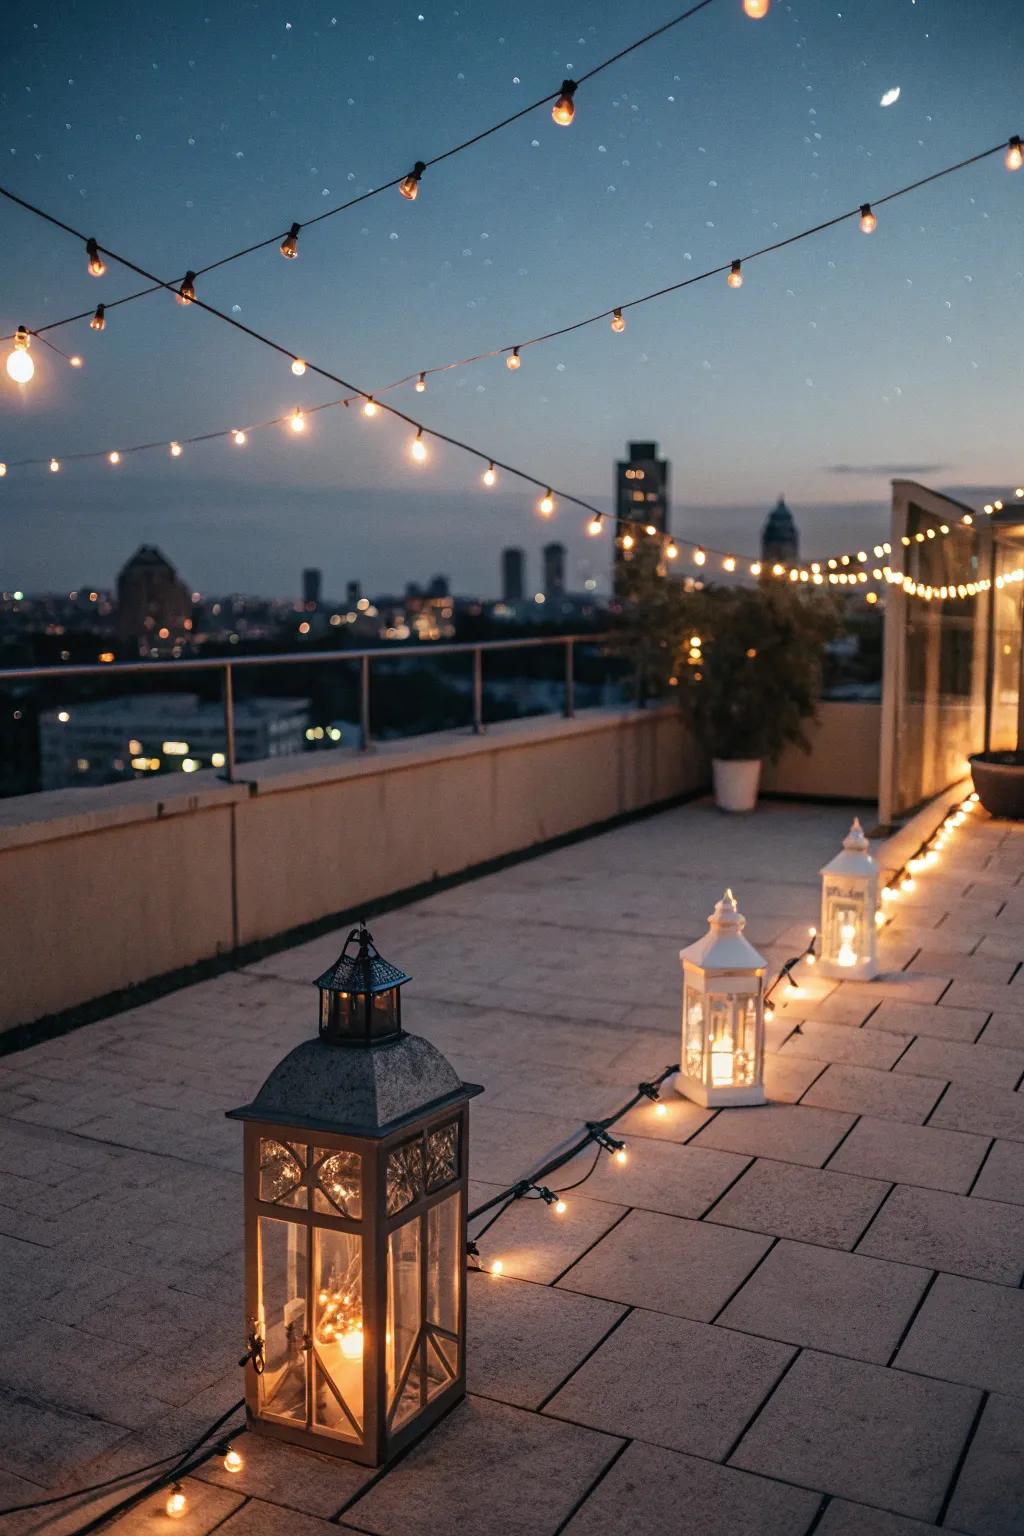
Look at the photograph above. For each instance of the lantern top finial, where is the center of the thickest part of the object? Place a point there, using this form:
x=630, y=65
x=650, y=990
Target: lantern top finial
x=366, y=971
x=727, y=913
x=855, y=840
x=723, y=947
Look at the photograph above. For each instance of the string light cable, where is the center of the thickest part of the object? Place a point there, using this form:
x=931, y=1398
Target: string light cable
x=925, y=856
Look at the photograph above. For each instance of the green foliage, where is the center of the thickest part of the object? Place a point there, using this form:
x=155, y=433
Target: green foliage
x=758, y=676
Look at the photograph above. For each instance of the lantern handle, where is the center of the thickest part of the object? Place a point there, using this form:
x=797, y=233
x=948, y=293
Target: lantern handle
x=364, y=938
x=255, y=1354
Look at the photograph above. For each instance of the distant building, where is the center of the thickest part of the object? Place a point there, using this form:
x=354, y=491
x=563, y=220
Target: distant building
x=312, y=581
x=353, y=592
x=641, y=496
x=154, y=606
x=439, y=586
x=513, y=575
x=779, y=539
x=144, y=734
x=554, y=570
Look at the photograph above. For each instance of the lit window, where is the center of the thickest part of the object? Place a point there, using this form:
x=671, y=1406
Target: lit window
x=83, y=765
x=175, y=748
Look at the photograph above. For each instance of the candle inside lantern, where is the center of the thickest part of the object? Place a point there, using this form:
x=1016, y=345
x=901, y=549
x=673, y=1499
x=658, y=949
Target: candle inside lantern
x=847, y=955
x=722, y=1058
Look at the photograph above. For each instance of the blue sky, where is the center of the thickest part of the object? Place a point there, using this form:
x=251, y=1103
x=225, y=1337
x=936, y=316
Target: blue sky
x=181, y=133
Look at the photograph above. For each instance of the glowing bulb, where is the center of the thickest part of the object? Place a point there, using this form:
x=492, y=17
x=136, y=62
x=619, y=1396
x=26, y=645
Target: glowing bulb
x=238, y=437
x=769, y=1012
x=618, y=324
x=370, y=407
x=546, y=505
x=594, y=527
x=297, y=421
x=699, y=557
x=628, y=541
x=879, y=918
x=489, y=475
x=421, y=383
x=1014, y=154
x=755, y=569
x=177, y=1502
x=20, y=366
x=756, y=9
x=175, y=450
x=289, y=246
x=3, y=470
x=650, y=530
x=729, y=563
x=564, y=109
x=187, y=291
x=418, y=448
x=97, y=266
x=513, y=360
x=560, y=1207
x=54, y=466
x=907, y=884
x=661, y=1110
x=409, y=186
x=75, y=360
x=621, y=1156
x=115, y=457
x=232, y=1460
x=497, y=1267
x=868, y=221
x=99, y=319
x=672, y=551
x=298, y=366
x=352, y=1344
x=735, y=278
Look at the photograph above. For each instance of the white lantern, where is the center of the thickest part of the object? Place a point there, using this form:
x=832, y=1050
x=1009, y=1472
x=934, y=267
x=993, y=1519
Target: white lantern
x=849, y=898
x=722, y=1058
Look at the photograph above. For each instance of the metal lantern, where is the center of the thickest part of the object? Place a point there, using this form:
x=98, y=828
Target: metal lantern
x=355, y=1215
x=849, y=899
x=722, y=1060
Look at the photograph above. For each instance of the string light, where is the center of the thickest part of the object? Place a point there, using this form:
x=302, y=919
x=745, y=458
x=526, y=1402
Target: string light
x=54, y=466
x=729, y=563
x=233, y=1461
x=370, y=406
x=595, y=527
x=735, y=278
x=409, y=186
x=868, y=221
x=672, y=550
x=298, y=366
x=699, y=556
x=297, y=421
x=421, y=383
x=114, y=457
x=75, y=360
x=755, y=568
x=489, y=476
x=628, y=541
x=1014, y=154
x=564, y=109
x=3, y=470
x=99, y=319
x=187, y=291
x=513, y=360
x=177, y=1503
x=97, y=266
x=618, y=324
x=418, y=447
x=238, y=437
x=175, y=450
x=546, y=505
x=20, y=366
x=289, y=246
x=756, y=9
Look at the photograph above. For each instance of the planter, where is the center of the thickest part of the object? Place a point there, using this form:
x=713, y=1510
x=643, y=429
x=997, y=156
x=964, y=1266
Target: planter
x=736, y=783
x=999, y=779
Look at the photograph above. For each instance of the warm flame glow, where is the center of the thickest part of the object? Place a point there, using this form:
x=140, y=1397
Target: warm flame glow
x=756, y=9
x=490, y=476
x=546, y=505
x=513, y=360
x=618, y=324
x=735, y=278
x=868, y=221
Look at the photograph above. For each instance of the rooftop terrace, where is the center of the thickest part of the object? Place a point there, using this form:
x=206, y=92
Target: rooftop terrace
x=802, y=1317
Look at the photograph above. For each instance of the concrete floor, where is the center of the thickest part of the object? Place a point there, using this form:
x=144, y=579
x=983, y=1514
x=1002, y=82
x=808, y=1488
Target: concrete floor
x=770, y=1321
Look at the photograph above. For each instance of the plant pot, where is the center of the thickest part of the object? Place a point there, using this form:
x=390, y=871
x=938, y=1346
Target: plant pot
x=999, y=779
x=736, y=783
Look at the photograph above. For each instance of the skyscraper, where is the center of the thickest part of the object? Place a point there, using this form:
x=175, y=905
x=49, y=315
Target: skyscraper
x=641, y=496
x=311, y=584
x=779, y=538
x=153, y=603
x=554, y=570
x=513, y=575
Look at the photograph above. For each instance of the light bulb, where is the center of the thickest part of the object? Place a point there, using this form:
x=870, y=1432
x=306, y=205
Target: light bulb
x=621, y=1155
x=289, y=246
x=54, y=466
x=418, y=448
x=756, y=9
x=560, y=1207
x=594, y=527
x=699, y=557
x=1014, y=154
x=661, y=1110
x=177, y=1502
x=238, y=437
x=564, y=109
x=99, y=319
x=735, y=278
x=628, y=541
x=421, y=383
x=297, y=421
x=187, y=291
x=650, y=530
x=352, y=1344
x=20, y=366
x=115, y=457
x=497, y=1267
x=75, y=360
x=513, y=360
x=729, y=563
x=546, y=505
x=879, y=918
x=3, y=470
x=370, y=407
x=672, y=551
x=97, y=266
x=409, y=186
x=489, y=476
x=175, y=450
x=298, y=367
x=868, y=222
x=232, y=1460
x=618, y=324
x=769, y=1012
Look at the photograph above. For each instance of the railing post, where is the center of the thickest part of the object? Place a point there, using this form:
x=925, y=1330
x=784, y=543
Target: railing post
x=229, y=726
x=364, y=704
x=478, y=691
x=570, y=682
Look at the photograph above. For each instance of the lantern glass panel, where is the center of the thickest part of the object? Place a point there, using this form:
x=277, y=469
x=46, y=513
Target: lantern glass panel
x=443, y=1155
x=282, y=1165
x=404, y=1175
x=846, y=928
x=721, y=1042
x=404, y=1320
x=282, y=1311
x=384, y=1013
x=746, y=1039
x=443, y=1259
x=338, y=1332
x=338, y=1187
x=694, y=1033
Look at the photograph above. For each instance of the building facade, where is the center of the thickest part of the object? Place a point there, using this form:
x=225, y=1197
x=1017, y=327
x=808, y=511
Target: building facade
x=641, y=496
x=780, y=541
x=154, y=606
x=513, y=575
x=554, y=570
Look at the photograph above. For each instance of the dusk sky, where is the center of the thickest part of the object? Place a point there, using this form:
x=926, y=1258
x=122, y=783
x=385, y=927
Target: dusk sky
x=180, y=133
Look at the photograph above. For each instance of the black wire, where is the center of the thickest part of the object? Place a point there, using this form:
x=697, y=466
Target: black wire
x=566, y=1188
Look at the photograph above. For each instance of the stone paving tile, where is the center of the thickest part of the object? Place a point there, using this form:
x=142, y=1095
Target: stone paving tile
x=662, y=1493
x=912, y=1154
x=284, y=1474
x=524, y=1340
x=902, y=986
x=961, y=1063
x=862, y=1432
x=208, y=1506
x=789, y=1132
x=787, y=1078
x=970, y=1332
x=505, y=1144
x=949, y=939
x=868, y=1092
x=680, y=1181
x=1002, y=944
x=811, y=1205
x=535, y=1244
x=829, y=1300
x=1002, y=1177
x=865, y=1047
x=981, y=994
x=679, y=1122
x=1004, y=1029
x=840, y=1008
x=486, y=1468
x=845, y=1519
x=989, y=1111
x=684, y=1385
x=933, y=1019
x=45, y=1443
x=663, y=1263
x=110, y=1380
x=989, y=1495
x=958, y=1234
x=968, y=967
x=259, y=1519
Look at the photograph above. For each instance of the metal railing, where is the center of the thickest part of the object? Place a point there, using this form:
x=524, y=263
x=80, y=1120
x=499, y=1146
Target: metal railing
x=227, y=668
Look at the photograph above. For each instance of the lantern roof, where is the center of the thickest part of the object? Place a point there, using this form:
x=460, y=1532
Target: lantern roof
x=723, y=947
x=365, y=971
x=357, y=1093
x=855, y=856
